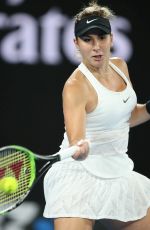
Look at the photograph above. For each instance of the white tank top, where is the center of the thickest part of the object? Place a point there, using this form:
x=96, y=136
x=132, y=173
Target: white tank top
x=107, y=128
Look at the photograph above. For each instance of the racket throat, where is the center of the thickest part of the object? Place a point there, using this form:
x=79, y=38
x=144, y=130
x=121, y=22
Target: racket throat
x=49, y=164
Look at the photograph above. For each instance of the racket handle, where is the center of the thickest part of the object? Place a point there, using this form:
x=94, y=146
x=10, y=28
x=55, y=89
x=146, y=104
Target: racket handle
x=66, y=153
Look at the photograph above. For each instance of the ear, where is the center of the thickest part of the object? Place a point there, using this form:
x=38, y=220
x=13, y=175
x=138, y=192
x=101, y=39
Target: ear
x=76, y=42
x=111, y=37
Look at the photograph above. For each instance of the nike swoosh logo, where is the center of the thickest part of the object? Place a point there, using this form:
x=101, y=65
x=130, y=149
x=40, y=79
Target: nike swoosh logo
x=125, y=100
x=91, y=20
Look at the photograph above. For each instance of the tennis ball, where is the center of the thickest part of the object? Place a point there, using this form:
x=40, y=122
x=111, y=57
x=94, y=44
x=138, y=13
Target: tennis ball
x=8, y=185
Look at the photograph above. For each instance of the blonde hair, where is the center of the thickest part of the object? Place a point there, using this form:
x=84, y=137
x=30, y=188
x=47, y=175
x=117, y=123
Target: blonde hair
x=94, y=9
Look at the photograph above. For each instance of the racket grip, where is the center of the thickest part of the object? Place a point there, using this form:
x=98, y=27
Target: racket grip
x=66, y=153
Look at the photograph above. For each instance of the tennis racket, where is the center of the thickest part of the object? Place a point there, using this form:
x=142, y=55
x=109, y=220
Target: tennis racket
x=20, y=163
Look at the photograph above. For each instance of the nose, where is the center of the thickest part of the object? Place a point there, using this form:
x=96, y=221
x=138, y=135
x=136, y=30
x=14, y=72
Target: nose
x=96, y=45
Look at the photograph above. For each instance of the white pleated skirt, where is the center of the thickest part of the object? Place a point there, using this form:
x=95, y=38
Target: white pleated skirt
x=71, y=191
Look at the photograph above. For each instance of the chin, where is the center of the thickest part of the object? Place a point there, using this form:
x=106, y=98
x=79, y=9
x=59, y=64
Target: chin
x=96, y=63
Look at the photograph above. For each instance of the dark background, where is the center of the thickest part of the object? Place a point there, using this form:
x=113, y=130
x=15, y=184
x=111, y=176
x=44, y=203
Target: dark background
x=30, y=94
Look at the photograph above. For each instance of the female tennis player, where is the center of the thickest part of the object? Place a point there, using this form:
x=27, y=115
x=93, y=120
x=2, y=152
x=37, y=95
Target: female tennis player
x=99, y=105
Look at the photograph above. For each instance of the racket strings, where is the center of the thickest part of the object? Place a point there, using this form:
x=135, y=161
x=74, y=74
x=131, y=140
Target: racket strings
x=19, y=165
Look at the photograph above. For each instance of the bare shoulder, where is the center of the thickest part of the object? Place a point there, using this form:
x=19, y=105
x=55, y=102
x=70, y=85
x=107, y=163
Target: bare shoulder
x=75, y=85
x=121, y=64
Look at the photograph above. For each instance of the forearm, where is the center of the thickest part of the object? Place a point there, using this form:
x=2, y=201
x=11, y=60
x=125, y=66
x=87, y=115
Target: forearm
x=139, y=115
x=76, y=135
x=75, y=126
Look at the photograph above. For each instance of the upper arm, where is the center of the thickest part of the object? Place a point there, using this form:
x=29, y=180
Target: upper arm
x=74, y=104
x=139, y=115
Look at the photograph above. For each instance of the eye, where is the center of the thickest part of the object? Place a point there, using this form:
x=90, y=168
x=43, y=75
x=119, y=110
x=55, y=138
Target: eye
x=102, y=36
x=86, y=38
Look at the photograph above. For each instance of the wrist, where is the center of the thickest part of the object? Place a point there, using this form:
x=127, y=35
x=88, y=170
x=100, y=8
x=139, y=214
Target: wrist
x=148, y=106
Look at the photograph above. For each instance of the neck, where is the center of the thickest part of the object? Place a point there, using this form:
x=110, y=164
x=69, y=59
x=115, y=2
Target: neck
x=100, y=71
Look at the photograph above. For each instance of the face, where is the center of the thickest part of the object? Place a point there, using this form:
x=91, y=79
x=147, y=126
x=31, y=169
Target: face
x=94, y=48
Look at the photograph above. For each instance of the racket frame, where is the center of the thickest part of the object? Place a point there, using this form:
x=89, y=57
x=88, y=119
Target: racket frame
x=36, y=175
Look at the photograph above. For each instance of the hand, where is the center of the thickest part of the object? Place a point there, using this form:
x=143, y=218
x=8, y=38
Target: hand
x=83, y=151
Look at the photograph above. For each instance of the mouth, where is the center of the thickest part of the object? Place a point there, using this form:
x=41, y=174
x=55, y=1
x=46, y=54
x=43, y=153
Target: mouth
x=97, y=57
